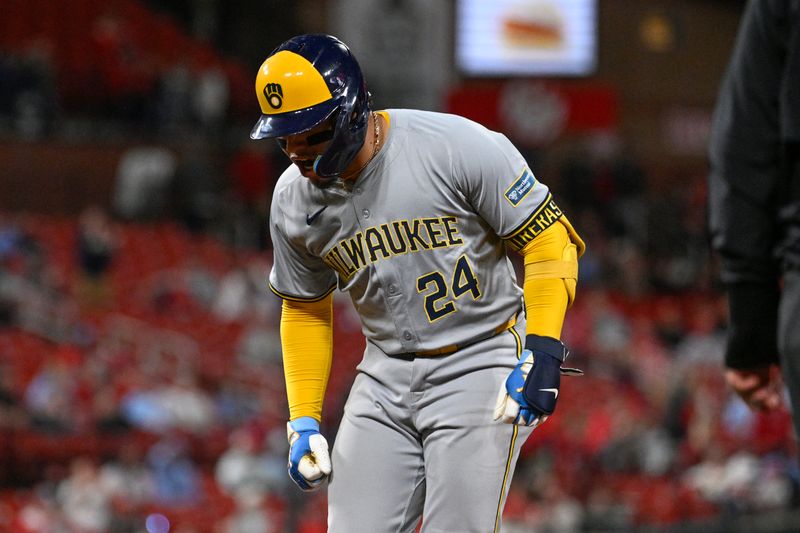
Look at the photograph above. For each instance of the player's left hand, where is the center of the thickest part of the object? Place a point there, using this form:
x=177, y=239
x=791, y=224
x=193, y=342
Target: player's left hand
x=528, y=396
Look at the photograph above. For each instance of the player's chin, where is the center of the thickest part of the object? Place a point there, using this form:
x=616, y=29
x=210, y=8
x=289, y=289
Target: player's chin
x=315, y=179
x=310, y=174
x=306, y=168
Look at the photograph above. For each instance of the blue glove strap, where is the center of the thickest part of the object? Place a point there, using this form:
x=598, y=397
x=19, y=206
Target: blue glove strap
x=305, y=423
x=543, y=381
x=515, y=384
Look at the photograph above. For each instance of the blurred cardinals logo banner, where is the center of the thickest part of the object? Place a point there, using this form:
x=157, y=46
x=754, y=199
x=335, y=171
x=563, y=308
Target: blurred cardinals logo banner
x=536, y=113
x=532, y=112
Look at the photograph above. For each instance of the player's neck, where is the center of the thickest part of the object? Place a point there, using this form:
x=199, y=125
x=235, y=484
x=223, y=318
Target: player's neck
x=373, y=142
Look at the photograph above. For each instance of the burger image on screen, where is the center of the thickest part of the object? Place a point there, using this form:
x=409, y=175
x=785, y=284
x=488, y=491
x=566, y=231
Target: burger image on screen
x=533, y=25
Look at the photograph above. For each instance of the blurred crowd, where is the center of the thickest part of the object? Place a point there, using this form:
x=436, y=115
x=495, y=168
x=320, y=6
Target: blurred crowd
x=151, y=328
x=147, y=349
x=141, y=385
x=115, y=60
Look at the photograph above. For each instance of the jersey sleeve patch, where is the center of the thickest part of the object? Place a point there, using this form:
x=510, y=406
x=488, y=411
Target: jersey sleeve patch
x=523, y=185
x=540, y=220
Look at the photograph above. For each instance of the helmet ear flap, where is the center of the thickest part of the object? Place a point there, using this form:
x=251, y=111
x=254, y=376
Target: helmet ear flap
x=350, y=132
x=360, y=111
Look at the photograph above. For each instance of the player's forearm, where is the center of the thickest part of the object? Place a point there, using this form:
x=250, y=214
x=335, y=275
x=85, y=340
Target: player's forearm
x=307, y=342
x=546, y=305
x=551, y=272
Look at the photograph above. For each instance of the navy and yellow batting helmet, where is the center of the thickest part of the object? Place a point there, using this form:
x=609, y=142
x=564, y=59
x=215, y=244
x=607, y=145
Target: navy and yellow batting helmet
x=305, y=81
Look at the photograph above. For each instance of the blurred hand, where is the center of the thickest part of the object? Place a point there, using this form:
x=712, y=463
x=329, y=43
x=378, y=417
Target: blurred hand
x=760, y=388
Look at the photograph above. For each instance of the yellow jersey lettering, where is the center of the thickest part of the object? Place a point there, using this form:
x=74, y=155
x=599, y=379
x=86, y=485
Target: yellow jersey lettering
x=350, y=255
x=374, y=244
x=451, y=230
x=354, y=248
x=434, y=232
x=335, y=259
x=400, y=246
x=413, y=237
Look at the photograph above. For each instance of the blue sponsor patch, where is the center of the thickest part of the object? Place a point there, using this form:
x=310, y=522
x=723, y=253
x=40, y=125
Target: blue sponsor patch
x=521, y=187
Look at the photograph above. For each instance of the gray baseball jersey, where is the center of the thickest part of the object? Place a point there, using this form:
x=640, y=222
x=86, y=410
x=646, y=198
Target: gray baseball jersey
x=419, y=239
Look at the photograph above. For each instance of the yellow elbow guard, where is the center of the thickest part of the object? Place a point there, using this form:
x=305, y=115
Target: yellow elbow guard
x=554, y=255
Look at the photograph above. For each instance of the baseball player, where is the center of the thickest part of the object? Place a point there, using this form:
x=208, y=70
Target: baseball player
x=411, y=213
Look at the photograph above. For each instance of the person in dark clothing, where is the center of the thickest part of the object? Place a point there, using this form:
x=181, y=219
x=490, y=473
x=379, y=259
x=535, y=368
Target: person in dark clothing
x=754, y=204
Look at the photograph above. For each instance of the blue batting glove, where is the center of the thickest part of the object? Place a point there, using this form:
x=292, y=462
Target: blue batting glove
x=309, y=460
x=530, y=392
x=511, y=406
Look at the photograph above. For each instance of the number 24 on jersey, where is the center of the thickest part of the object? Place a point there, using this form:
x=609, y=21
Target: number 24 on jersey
x=440, y=296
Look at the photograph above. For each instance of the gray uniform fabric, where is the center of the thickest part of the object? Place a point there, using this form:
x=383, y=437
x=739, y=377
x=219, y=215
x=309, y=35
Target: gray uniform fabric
x=419, y=243
x=442, y=188
x=417, y=433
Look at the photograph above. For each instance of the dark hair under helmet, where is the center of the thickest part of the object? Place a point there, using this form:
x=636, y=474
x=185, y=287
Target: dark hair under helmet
x=306, y=80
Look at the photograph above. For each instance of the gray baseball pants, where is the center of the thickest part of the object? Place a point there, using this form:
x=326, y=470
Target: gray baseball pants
x=417, y=440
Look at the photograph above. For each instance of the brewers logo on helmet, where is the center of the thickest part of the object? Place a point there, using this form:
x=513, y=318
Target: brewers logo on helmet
x=305, y=81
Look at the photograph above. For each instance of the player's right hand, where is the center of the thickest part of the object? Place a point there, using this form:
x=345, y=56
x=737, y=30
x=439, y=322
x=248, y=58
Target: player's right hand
x=309, y=460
